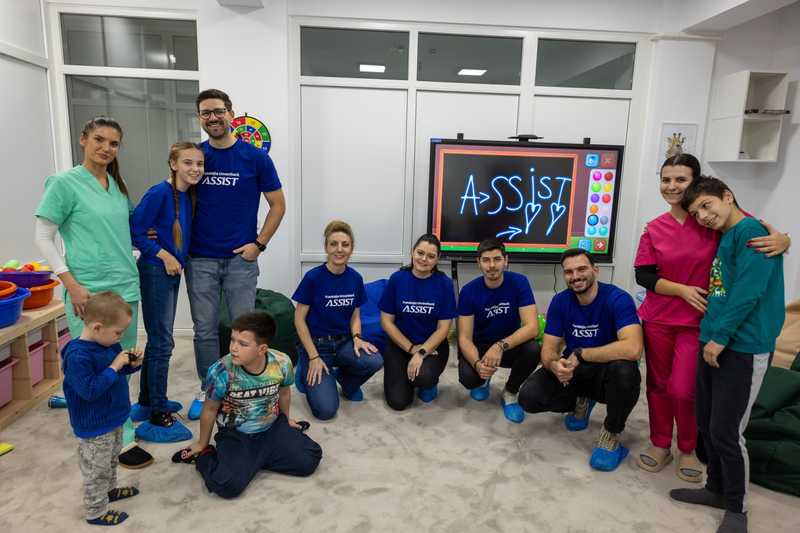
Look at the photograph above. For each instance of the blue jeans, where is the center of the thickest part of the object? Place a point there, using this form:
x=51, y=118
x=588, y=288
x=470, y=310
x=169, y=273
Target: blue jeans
x=323, y=398
x=159, y=300
x=206, y=279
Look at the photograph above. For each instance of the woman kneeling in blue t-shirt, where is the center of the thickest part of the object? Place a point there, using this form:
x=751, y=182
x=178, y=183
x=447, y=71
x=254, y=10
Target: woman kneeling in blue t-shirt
x=417, y=309
x=328, y=323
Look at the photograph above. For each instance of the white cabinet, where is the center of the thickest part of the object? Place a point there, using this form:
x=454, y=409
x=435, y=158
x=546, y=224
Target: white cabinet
x=747, y=110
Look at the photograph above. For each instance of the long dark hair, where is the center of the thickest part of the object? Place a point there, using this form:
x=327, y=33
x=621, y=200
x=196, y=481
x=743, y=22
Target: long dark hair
x=113, y=167
x=686, y=160
x=430, y=238
x=174, y=153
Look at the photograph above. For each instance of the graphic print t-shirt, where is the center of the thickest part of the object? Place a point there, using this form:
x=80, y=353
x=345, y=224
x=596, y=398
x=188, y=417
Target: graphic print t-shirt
x=495, y=311
x=418, y=304
x=249, y=401
x=332, y=298
x=593, y=325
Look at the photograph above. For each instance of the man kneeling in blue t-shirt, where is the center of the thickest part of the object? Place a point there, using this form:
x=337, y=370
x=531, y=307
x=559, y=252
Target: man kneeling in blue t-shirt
x=248, y=393
x=497, y=326
x=603, y=337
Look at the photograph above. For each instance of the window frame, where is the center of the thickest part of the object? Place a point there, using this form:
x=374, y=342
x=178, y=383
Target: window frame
x=60, y=70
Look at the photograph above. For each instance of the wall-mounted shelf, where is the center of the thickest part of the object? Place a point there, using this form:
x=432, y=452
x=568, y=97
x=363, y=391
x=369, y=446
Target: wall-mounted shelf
x=738, y=136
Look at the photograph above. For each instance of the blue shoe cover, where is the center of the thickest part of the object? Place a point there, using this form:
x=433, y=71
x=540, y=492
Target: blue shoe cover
x=579, y=424
x=607, y=461
x=174, y=407
x=177, y=432
x=429, y=394
x=139, y=412
x=513, y=412
x=480, y=394
x=195, y=409
x=357, y=396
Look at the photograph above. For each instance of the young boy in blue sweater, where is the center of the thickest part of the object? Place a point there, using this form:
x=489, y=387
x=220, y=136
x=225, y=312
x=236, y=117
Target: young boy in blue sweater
x=98, y=401
x=744, y=316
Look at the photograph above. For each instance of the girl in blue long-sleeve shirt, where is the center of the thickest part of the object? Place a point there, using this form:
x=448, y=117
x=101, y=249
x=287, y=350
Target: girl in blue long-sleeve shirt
x=167, y=207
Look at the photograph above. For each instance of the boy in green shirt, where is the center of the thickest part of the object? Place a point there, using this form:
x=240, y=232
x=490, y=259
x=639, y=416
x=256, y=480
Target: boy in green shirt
x=744, y=317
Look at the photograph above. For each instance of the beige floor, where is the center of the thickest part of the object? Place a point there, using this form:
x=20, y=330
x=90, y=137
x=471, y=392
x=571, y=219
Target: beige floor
x=453, y=466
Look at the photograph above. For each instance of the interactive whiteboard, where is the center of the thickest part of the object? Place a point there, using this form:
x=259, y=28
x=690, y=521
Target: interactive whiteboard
x=538, y=198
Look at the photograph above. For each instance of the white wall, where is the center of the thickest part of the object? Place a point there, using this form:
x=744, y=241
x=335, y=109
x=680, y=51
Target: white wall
x=26, y=143
x=769, y=190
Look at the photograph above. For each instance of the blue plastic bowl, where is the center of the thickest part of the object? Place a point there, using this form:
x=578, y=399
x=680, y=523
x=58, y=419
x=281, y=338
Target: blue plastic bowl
x=11, y=307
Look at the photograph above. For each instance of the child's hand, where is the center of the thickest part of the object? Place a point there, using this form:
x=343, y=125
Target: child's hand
x=135, y=357
x=171, y=265
x=120, y=360
x=711, y=352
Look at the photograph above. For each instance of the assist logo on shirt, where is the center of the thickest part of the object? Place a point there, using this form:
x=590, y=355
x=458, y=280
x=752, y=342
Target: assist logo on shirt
x=418, y=308
x=226, y=179
x=499, y=309
x=339, y=300
x=585, y=332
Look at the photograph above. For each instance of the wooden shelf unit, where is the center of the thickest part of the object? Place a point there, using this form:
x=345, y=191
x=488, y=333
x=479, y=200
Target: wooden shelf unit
x=26, y=395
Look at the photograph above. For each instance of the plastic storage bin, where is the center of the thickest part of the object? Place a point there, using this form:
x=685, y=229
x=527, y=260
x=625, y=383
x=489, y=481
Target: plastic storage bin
x=6, y=380
x=36, y=352
x=63, y=338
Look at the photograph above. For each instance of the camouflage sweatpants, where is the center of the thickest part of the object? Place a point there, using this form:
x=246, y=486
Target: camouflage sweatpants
x=99, y=459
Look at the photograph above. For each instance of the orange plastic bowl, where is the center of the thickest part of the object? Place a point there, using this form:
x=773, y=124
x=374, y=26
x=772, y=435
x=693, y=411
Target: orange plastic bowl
x=7, y=289
x=41, y=295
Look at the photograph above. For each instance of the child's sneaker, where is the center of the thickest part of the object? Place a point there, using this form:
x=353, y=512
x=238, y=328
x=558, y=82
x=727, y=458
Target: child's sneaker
x=109, y=518
x=578, y=420
x=163, y=427
x=608, y=452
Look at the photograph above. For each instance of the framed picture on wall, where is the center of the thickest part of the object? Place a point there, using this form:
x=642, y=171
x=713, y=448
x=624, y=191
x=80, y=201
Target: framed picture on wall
x=675, y=138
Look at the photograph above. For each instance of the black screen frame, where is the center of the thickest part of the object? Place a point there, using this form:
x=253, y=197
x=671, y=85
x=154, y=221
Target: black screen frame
x=527, y=257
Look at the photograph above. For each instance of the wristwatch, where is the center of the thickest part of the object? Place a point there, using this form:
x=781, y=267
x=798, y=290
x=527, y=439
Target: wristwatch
x=261, y=247
x=422, y=351
x=503, y=345
x=579, y=354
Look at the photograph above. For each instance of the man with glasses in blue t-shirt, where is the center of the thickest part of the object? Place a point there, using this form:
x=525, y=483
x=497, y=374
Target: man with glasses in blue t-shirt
x=497, y=327
x=598, y=324
x=225, y=241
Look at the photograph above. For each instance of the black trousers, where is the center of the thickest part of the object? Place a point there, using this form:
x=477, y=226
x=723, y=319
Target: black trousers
x=616, y=384
x=397, y=388
x=724, y=398
x=522, y=360
x=239, y=456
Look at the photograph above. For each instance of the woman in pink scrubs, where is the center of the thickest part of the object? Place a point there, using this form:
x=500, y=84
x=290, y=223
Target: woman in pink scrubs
x=673, y=263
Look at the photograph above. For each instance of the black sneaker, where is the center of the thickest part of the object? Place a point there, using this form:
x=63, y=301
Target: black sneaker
x=135, y=458
x=163, y=420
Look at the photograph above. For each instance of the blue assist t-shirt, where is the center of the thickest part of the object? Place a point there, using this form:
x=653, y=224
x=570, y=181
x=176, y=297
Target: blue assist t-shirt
x=157, y=210
x=418, y=304
x=249, y=401
x=97, y=396
x=495, y=311
x=332, y=298
x=226, y=216
x=593, y=325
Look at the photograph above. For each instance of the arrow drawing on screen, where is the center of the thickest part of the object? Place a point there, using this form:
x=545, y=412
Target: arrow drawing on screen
x=484, y=197
x=512, y=230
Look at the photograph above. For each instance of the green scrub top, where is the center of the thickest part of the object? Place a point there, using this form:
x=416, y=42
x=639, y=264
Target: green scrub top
x=94, y=224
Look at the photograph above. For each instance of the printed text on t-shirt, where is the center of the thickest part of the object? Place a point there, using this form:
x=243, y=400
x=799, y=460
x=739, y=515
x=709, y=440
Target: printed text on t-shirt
x=214, y=177
x=499, y=309
x=589, y=331
x=420, y=308
x=339, y=300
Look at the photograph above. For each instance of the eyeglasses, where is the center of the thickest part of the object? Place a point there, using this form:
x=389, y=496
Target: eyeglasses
x=219, y=113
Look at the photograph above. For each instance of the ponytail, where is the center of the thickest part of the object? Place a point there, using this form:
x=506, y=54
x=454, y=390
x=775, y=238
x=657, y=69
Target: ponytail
x=113, y=168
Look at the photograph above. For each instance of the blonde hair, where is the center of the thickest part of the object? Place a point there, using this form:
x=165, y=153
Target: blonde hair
x=174, y=153
x=339, y=226
x=108, y=308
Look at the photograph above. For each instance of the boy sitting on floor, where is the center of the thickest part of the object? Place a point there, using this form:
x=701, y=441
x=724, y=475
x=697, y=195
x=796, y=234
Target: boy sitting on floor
x=249, y=393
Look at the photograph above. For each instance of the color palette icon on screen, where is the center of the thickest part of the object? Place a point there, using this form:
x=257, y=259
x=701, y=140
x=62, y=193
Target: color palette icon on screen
x=600, y=200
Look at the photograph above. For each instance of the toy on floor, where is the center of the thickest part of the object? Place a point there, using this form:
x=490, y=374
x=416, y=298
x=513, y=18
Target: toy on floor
x=5, y=448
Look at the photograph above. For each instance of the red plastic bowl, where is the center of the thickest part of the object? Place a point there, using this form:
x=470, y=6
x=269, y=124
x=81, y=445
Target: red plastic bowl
x=7, y=288
x=26, y=279
x=41, y=295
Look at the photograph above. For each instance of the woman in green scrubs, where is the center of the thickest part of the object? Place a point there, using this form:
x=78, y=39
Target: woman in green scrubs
x=89, y=206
